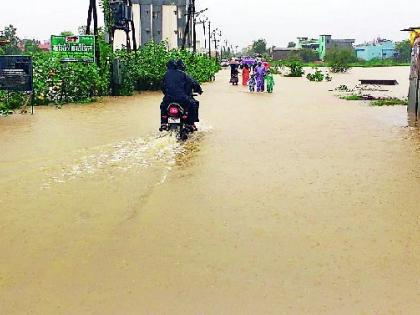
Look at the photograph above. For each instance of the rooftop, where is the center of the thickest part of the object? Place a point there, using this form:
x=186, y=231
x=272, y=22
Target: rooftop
x=285, y=49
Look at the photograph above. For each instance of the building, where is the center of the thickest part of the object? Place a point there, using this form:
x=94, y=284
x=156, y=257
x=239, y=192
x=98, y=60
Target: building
x=279, y=53
x=157, y=20
x=326, y=42
x=45, y=45
x=307, y=43
x=379, y=49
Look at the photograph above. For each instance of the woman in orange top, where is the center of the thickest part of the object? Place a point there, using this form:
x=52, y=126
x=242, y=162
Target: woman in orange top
x=245, y=75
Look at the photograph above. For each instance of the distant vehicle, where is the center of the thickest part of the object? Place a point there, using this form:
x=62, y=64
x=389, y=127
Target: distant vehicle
x=224, y=63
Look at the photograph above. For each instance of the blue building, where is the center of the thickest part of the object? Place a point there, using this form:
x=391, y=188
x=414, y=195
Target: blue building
x=379, y=49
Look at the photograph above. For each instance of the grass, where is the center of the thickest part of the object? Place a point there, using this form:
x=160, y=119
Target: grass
x=389, y=102
x=392, y=101
x=353, y=97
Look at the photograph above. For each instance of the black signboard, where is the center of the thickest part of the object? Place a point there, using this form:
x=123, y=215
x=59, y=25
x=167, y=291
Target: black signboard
x=16, y=73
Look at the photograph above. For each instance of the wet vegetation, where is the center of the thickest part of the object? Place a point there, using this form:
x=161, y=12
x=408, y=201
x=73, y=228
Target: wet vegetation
x=57, y=82
x=296, y=69
x=389, y=102
x=318, y=76
x=376, y=101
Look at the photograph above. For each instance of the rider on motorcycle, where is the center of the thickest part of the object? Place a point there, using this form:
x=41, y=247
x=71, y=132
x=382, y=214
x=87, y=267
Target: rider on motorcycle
x=174, y=88
x=191, y=87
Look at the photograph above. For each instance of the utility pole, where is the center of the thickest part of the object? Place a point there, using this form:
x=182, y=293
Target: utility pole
x=93, y=13
x=190, y=27
x=194, y=27
x=204, y=22
x=209, y=39
x=215, y=40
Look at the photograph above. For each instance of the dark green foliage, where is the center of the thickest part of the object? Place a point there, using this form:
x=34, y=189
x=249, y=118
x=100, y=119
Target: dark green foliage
x=382, y=101
x=11, y=100
x=9, y=34
x=339, y=60
x=144, y=69
x=305, y=55
x=389, y=102
x=259, y=47
x=296, y=69
x=56, y=82
x=31, y=46
x=403, y=51
x=62, y=82
x=353, y=97
x=379, y=63
x=66, y=33
x=318, y=76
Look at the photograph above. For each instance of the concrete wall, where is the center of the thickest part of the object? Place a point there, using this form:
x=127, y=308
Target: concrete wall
x=282, y=54
x=170, y=25
x=146, y=22
x=163, y=20
x=326, y=42
x=156, y=20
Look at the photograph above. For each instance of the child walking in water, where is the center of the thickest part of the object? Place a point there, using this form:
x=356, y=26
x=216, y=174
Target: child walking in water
x=252, y=82
x=269, y=79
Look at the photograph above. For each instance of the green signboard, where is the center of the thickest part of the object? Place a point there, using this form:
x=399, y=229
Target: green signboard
x=74, y=48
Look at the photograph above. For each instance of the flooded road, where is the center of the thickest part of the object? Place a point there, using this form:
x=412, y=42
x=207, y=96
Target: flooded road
x=291, y=203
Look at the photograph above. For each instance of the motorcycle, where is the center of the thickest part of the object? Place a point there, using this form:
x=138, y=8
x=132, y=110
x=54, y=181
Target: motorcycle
x=178, y=121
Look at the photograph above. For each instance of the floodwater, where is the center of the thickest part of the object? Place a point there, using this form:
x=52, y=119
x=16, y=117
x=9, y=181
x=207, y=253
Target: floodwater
x=291, y=203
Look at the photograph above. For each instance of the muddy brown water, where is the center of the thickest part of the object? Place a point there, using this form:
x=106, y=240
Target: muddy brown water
x=291, y=203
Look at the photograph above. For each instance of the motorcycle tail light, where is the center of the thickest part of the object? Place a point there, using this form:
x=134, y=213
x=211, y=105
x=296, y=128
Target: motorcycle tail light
x=173, y=111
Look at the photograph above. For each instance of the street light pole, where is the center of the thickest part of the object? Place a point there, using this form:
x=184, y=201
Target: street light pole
x=209, y=39
x=194, y=27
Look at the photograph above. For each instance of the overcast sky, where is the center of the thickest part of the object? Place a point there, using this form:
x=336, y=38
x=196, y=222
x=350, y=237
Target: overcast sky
x=242, y=20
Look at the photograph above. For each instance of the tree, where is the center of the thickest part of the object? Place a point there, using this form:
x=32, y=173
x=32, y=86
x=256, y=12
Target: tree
x=259, y=46
x=309, y=55
x=10, y=35
x=339, y=59
x=291, y=45
x=304, y=55
x=403, y=50
x=66, y=33
x=31, y=46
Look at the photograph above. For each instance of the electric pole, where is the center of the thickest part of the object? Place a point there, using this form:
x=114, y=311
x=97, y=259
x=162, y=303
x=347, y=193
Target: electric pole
x=93, y=13
x=209, y=39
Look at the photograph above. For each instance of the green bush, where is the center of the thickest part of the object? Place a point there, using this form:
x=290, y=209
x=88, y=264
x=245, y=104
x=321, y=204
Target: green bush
x=339, y=60
x=305, y=55
x=296, y=69
x=318, y=76
x=145, y=69
x=11, y=100
x=58, y=82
